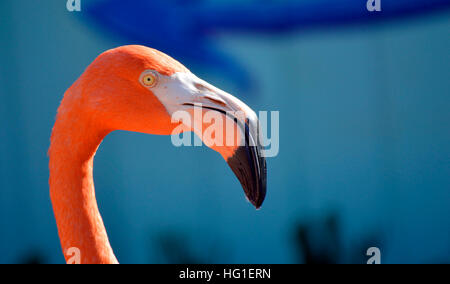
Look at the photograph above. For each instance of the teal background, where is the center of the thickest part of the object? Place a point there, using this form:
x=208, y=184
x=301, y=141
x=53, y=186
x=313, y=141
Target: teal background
x=364, y=138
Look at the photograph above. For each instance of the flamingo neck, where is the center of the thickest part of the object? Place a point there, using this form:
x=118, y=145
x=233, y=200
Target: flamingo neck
x=73, y=145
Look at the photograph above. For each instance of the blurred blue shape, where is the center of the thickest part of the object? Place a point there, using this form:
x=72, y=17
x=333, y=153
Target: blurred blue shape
x=169, y=26
x=271, y=16
x=183, y=28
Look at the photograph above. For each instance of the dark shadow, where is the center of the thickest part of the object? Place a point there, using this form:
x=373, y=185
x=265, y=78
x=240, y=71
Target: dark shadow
x=176, y=248
x=319, y=242
x=32, y=258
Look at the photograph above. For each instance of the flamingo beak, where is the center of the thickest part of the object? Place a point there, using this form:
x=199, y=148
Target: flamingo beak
x=185, y=91
x=246, y=160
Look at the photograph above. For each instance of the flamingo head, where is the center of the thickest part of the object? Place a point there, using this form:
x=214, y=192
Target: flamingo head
x=136, y=88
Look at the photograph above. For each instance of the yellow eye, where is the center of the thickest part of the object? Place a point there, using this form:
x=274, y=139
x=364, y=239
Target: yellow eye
x=149, y=80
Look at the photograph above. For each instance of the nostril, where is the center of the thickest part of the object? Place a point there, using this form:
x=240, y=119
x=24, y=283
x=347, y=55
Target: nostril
x=210, y=94
x=216, y=101
x=201, y=87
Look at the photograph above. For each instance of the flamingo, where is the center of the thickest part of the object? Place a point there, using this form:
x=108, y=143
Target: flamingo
x=133, y=88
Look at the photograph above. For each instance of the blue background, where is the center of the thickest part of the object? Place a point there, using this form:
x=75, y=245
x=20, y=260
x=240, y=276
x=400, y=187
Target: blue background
x=364, y=146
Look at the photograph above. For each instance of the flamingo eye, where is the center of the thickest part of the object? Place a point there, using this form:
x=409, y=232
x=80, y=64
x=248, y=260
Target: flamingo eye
x=149, y=79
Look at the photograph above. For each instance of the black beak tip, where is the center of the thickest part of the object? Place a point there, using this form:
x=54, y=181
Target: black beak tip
x=257, y=205
x=256, y=197
x=250, y=168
